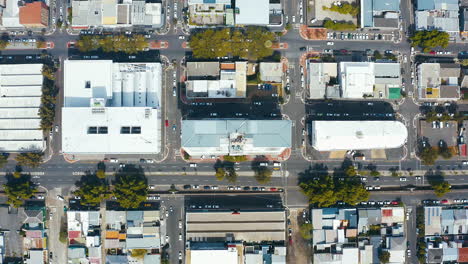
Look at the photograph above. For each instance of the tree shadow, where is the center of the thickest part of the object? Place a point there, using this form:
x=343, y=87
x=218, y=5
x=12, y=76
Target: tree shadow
x=434, y=176
x=135, y=171
x=318, y=170
x=101, y=166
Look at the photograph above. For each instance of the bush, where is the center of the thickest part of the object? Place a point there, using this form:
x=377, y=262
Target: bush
x=339, y=25
x=428, y=39
x=374, y=173
x=235, y=158
x=31, y=159
x=344, y=8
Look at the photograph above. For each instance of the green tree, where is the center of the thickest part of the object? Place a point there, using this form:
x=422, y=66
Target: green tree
x=138, y=253
x=231, y=175
x=18, y=189
x=351, y=171
x=445, y=152
x=306, y=231
x=3, y=159
x=464, y=62
x=428, y=39
x=87, y=43
x=263, y=174
x=30, y=159
x=40, y=44
x=440, y=188
x=48, y=72
x=3, y=44
x=235, y=158
x=428, y=155
x=101, y=174
x=351, y=191
x=374, y=173
x=384, y=257
x=130, y=189
x=377, y=55
x=344, y=8
x=329, y=24
x=220, y=174
x=92, y=190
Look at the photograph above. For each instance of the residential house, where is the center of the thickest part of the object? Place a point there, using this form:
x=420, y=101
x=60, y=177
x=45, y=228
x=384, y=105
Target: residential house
x=84, y=236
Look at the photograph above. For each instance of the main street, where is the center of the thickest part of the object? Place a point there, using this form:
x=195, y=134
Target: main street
x=56, y=172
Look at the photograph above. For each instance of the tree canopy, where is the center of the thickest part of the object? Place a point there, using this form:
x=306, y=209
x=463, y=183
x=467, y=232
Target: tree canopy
x=130, y=189
x=440, y=188
x=344, y=8
x=326, y=190
x=3, y=159
x=30, y=159
x=18, y=189
x=92, y=190
x=112, y=43
x=251, y=42
x=384, y=257
x=263, y=174
x=428, y=155
x=329, y=24
x=428, y=39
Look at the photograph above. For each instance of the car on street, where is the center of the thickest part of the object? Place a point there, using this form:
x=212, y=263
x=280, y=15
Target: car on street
x=171, y=209
x=180, y=255
x=402, y=179
x=60, y=198
x=180, y=223
x=330, y=43
x=180, y=236
x=181, y=37
x=214, y=187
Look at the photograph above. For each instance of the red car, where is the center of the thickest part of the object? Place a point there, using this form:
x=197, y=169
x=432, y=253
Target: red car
x=394, y=202
x=273, y=189
x=432, y=52
x=167, y=123
x=445, y=201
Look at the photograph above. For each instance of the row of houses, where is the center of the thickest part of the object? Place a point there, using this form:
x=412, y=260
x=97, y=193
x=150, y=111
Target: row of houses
x=93, y=238
x=358, y=235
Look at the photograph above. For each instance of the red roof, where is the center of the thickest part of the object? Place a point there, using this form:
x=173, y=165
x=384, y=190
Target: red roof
x=73, y=234
x=31, y=13
x=463, y=255
x=34, y=233
x=387, y=212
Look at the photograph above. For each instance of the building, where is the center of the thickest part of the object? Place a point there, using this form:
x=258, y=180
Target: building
x=129, y=230
x=210, y=13
x=216, y=80
x=112, y=13
x=439, y=81
x=445, y=234
x=265, y=254
x=84, y=237
x=359, y=135
x=236, y=137
x=323, y=80
x=235, y=13
x=368, y=79
x=10, y=15
x=20, y=99
x=34, y=15
x=438, y=14
x=464, y=22
x=111, y=107
x=380, y=13
x=271, y=72
x=35, y=239
x=355, y=235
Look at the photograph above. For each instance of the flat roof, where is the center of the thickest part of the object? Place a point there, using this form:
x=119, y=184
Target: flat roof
x=219, y=136
x=76, y=122
x=252, y=12
x=228, y=256
x=359, y=135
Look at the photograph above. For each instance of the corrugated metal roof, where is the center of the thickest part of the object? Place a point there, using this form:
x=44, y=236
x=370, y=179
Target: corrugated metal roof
x=367, y=13
x=386, y=5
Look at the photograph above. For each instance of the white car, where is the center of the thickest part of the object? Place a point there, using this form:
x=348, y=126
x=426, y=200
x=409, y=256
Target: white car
x=180, y=223
x=402, y=179
x=180, y=236
x=330, y=43
x=113, y=160
x=60, y=198
x=181, y=37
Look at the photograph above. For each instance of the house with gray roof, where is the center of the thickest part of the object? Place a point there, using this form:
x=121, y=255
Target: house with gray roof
x=236, y=137
x=437, y=14
x=380, y=13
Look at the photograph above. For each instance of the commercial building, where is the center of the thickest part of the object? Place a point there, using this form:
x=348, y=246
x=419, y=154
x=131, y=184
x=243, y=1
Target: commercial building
x=236, y=137
x=335, y=233
x=216, y=80
x=271, y=72
x=445, y=234
x=235, y=13
x=84, y=237
x=113, y=13
x=380, y=13
x=111, y=107
x=368, y=79
x=354, y=80
x=439, y=81
x=34, y=15
x=20, y=99
x=359, y=135
x=438, y=14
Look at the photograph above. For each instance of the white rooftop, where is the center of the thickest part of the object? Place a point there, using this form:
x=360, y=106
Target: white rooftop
x=357, y=79
x=20, y=99
x=253, y=12
x=228, y=256
x=346, y=135
x=111, y=107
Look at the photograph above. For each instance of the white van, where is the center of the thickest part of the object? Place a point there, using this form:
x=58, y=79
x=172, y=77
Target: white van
x=193, y=165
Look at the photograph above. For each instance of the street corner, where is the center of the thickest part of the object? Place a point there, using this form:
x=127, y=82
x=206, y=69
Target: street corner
x=281, y=45
x=49, y=45
x=312, y=33
x=158, y=45
x=71, y=44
